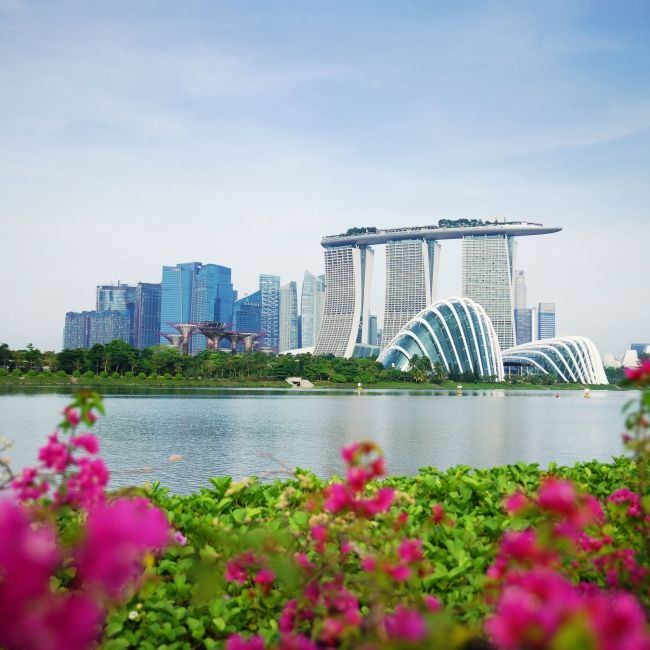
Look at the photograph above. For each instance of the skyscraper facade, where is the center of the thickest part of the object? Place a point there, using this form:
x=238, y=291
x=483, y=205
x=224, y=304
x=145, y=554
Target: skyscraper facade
x=521, y=292
x=107, y=326
x=348, y=273
x=270, y=312
x=546, y=320
x=372, y=334
x=487, y=278
x=288, y=317
x=411, y=281
x=176, y=295
x=146, y=327
x=76, y=332
x=212, y=299
x=118, y=297
x=523, y=325
x=248, y=313
x=312, y=300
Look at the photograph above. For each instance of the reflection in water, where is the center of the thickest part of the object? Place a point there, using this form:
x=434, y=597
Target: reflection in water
x=240, y=431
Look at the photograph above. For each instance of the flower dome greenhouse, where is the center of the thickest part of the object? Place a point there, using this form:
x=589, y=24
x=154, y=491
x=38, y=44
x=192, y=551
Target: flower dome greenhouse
x=455, y=333
x=570, y=358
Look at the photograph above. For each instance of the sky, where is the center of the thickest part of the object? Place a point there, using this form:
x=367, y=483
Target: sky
x=140, y=133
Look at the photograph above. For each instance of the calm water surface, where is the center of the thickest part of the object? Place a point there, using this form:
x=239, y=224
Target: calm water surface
x=243, y=432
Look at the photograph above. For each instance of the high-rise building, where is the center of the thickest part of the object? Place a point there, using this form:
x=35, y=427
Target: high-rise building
x=248, y=313
x=312, y=300
x=118, y=297
x=107, y=326
x=546, y=320
x=372, y=334
x=348, y=272
x=176, y=295
x=76, y=332
x=411, y=281
x=288, y=317
x=487, y=278
x=212, y=299
x=523, y=325
x=146, y=326
x=521, y=297
x=270, y=314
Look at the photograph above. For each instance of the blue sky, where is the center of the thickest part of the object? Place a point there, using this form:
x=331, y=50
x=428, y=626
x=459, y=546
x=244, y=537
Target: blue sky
x=136, y=134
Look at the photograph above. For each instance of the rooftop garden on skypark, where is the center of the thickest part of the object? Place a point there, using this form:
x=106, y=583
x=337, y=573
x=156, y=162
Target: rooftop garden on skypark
x=442, y=224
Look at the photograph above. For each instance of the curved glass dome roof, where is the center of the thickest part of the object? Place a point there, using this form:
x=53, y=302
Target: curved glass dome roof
x=570, y=358
x=456, y=333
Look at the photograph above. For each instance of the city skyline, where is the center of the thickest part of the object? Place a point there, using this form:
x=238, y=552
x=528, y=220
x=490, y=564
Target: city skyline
x=122, y=125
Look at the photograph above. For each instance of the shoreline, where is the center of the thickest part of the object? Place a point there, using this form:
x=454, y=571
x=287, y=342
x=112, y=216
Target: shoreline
x=96, y=383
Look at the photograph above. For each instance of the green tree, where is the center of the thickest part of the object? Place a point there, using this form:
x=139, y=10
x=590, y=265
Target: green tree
x=420, y=367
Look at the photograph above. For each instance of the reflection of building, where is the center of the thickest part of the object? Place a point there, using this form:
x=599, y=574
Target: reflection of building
x=146, y=325
x=568, y=358
x=546, y=320
x=487, y=272
x=311, y=308
x=288, y=317
x=270, y=312
x=455, y=334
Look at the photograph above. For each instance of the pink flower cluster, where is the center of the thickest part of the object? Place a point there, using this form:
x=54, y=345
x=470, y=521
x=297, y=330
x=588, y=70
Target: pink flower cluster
x=249, y=566
x=535, y=602
x=641, y=374
x=340, y=497
x=107, y=560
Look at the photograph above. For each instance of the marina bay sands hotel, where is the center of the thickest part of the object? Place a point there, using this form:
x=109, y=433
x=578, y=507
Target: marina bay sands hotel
x=412, y=266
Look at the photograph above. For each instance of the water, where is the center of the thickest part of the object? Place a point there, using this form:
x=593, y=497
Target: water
x=243, y=432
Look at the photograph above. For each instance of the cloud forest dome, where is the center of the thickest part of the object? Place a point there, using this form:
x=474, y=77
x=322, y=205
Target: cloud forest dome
x=570, y=358
x=455, y=333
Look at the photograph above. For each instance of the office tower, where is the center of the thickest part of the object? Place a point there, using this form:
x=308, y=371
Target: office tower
x=487, y=274
x=107, y=326
x=212, y=299
x=270, y=314
x=348, y=272
x=288, y=317
x=312, y=300
x=248, y=313
x=546, y=320
x=176, y=295
x=524, y=325
x=372, y=333
x=76, y=330
x=411, y=281
x=118, y=297
x=146, y=326
x=521, y=298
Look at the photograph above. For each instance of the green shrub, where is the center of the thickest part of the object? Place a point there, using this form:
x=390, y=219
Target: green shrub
x=76, y=373
x=152, y=377
x=116, y=375
x=3, y=372
x=103, y=374
x=16, y=373
x=61, y=373
x=89, y=373
x=166, y=376
x=338, y=378
x=128, y=375
x=32, y=373
x=179, y=375
x=142, y=375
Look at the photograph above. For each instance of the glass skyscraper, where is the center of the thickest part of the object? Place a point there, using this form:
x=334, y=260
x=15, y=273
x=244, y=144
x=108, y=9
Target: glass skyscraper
x=270, y=312
x=176, y=295
x=212, y=299
x=118, y=297
x=546, y=320
x=107, y=326
x=312, y=300
x=288, y=317
x=248, y=313
x=146, y=328
x=76, y=332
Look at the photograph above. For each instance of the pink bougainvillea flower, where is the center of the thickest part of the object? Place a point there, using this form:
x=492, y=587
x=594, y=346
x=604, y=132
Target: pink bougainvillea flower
x=515, y=503
x=86, y=441
x=357, y=477
x=351, y=453
x=624, y=495
x=179, y=538
x=72, y=416
x=337, y=498
x=410, y=550
x=118, y=535
x=237, y=642
x=86, y=487
x=368, y=563
x=640, y=373
x=557, y=496
x=55, y=454
x=398, y=572
x=437, y=513
x=380, y=503
x=27, y=486
x=432, y=603
x=264, y=578
x=405, y=625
